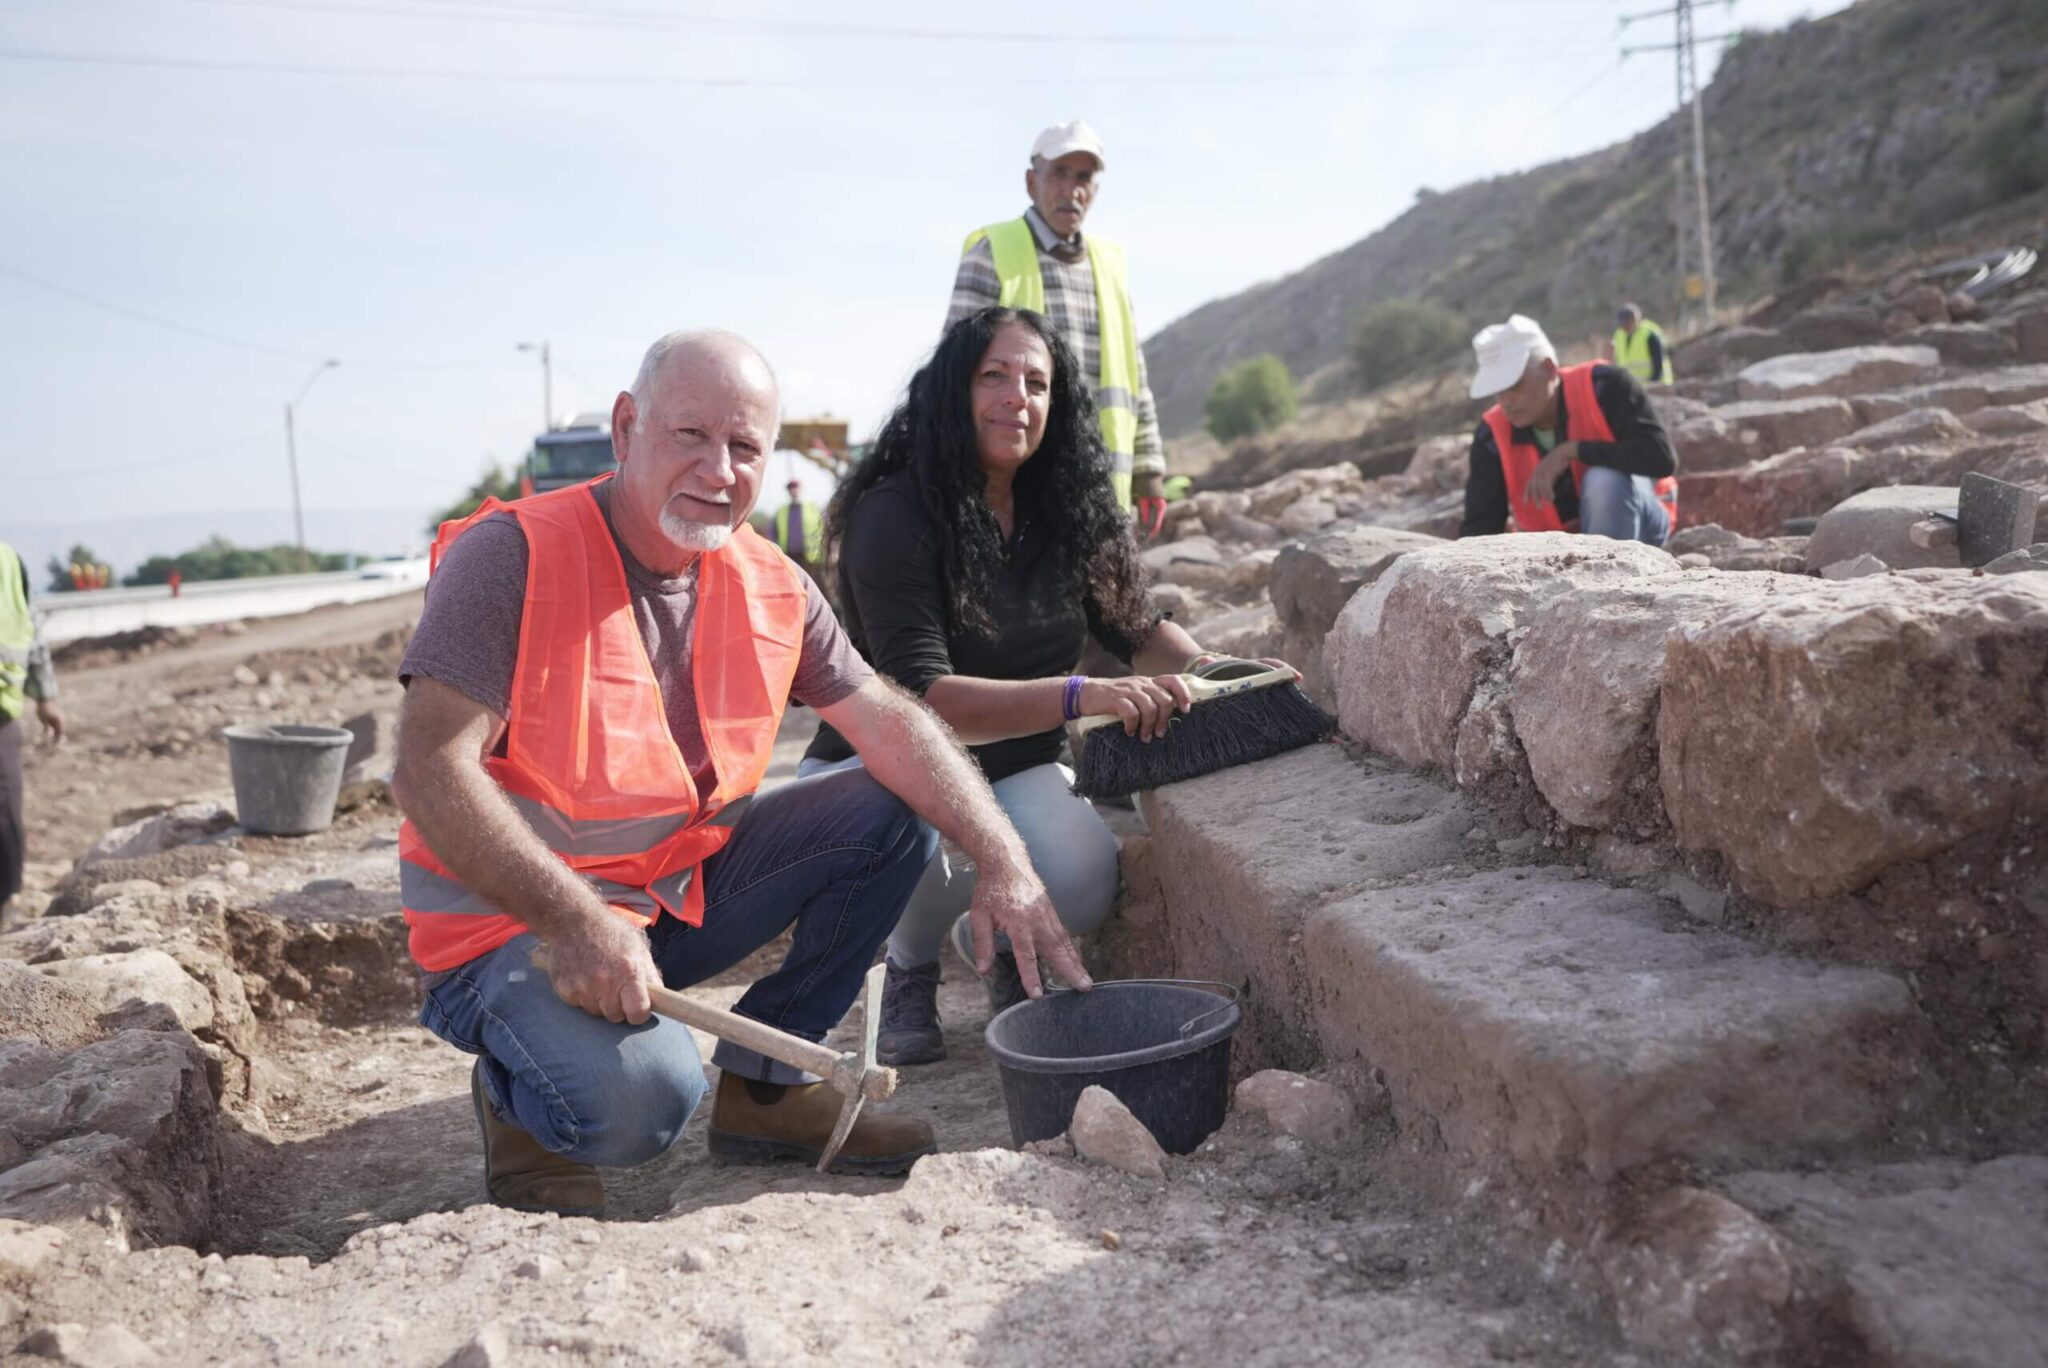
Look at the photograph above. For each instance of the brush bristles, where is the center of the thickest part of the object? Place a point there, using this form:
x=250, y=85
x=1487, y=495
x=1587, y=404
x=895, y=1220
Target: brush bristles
x=1211, y=736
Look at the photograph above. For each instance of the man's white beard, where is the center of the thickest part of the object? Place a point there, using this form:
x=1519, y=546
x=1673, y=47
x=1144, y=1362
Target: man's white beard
x=691, y=535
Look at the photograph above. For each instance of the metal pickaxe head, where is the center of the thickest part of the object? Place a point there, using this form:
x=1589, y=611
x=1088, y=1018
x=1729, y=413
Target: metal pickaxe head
x=856, y=1075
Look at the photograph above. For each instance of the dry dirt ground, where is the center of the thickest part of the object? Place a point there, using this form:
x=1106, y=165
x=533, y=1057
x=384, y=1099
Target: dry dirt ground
x=350, y=1226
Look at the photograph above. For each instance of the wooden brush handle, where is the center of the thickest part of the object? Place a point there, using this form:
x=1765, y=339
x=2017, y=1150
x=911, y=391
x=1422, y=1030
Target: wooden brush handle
x=742, y=1031
x=1206, y=691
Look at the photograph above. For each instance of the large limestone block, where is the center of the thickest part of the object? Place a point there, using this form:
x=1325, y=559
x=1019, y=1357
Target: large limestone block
x=1731, y=349
x=1966, y=344
x=1828, y=328
x=36, y=1007
x=1878, y=522
x=180, y=824
x=1252, y=632
x=1814, y=739
x=1927, y=426
x=1584, y=688
x=1409, y=655
x=147, y=975
x=1197, y=562
x=1930, y=1263
x=125, y=1126
x=1566, y=1025
x=1313, y=580
x=1737, y=434
x=1244, y=854
x=1850, y=370
x=1756, y=500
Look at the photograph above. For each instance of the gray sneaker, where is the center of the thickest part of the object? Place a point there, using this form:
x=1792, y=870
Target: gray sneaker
x=910, y=1031
x=1005, y=986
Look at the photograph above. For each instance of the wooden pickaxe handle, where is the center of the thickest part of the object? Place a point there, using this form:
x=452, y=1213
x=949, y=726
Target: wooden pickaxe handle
x=743, y=1031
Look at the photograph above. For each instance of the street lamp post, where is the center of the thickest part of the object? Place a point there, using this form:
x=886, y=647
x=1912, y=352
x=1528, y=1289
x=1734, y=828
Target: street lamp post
x=291, y=451
x=547, y=384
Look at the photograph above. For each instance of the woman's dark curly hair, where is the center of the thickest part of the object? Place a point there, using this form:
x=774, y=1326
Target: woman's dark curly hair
x=1065, y=486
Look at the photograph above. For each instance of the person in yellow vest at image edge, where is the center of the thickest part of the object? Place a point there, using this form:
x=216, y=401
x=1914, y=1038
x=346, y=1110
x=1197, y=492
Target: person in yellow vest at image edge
x=1042, y=262
x=1564, y=449
x=25, y=674
x=1638, y=347
x=592, y=700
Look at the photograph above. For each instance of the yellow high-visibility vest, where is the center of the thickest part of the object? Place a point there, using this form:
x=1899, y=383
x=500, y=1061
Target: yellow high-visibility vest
x=814, y=531
x=1632, y=354
x=1015, y=249
x=17, y=633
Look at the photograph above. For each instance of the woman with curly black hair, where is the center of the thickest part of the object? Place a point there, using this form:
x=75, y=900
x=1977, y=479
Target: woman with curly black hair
x=981, y=545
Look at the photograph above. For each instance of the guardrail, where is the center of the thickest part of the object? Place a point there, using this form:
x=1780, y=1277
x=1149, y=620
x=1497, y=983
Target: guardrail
x=103, y=612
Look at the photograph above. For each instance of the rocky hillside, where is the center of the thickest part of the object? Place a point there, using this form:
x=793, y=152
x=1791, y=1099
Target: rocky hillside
x=1894, y=121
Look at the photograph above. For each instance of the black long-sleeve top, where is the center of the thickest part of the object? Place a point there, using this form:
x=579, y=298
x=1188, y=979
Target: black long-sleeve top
x=1641, y=446
x=894, y=608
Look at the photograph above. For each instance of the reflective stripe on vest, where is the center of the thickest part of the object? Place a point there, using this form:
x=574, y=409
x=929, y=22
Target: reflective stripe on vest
x=17, y=633
x=1632, y=353
x=1014, y=249
x=1584, y=422
x=589, y=762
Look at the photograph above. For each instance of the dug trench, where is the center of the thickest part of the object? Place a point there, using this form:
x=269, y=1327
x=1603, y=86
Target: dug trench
x=306, y=1186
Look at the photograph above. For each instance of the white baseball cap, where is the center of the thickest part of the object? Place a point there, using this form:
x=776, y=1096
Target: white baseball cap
x=1504, y=350
x=1061, y=139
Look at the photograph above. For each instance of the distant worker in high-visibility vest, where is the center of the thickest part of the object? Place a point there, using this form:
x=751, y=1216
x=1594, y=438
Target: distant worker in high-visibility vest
x=1564, y=448
x=1639, y=348
x=1041, y=262
x=800, y=532
x=25, y=678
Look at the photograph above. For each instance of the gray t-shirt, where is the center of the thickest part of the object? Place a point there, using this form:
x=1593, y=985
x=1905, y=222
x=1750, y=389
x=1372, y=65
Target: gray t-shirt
x=468, y=637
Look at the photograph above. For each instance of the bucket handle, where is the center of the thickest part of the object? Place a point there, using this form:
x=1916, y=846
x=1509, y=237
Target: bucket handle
x=1230, y=991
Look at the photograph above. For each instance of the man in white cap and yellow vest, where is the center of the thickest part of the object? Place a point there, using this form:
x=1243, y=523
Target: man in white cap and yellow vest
x=1564, y=448
x=1042, y=262
x=25, y=675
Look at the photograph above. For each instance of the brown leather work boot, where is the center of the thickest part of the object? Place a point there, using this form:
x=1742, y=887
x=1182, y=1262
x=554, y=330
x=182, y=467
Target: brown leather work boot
x=758, y=1123
x=520, y=1174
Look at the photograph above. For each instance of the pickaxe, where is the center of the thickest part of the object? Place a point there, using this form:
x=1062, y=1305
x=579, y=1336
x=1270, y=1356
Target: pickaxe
x=854, y=1074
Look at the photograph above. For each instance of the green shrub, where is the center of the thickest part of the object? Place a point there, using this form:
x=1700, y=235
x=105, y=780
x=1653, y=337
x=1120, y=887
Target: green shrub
x=217, y=558
x=2011, y=147
x=1394, y=340
x=497, y=483
x=1251, y=397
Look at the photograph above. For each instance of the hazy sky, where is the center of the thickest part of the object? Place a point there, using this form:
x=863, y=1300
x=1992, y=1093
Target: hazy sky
x=595, y=172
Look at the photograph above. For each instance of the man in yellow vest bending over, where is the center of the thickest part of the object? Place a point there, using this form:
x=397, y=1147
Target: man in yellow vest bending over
x=592, y=701
x=1639, y=347
x=24, y=675
x=1042, y=262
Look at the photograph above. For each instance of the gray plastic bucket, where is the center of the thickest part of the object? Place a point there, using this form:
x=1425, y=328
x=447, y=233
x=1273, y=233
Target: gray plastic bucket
x=287, y=776
x=1161, y=1046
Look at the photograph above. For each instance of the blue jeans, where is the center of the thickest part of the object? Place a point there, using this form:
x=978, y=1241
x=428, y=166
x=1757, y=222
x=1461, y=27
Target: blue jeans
x=1622, y=506
x=838, y=855
x=1073, y=851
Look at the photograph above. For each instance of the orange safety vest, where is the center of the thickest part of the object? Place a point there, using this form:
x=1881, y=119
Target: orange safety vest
x=1584, y=422
x=589, y=761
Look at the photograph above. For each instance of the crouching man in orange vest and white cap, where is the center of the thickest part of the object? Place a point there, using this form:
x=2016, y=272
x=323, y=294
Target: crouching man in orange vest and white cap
x=593, y=694
x=1565, y=449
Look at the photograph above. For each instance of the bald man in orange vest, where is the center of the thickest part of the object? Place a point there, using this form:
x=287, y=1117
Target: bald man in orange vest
x=593, y=694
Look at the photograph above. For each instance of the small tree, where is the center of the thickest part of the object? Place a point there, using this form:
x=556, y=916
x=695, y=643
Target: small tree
x=1251, y=397
x=497, y=483
x=1394, y=340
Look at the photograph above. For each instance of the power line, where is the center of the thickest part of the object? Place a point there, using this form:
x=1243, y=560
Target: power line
x=221, y=339
x=153, y=463
x=715, y=82
x=509, y=11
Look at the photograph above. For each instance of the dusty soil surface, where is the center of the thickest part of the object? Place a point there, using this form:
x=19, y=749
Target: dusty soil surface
x=350, y=1224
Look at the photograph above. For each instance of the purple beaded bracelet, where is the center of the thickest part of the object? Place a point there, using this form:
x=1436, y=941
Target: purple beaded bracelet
x=1070, y=697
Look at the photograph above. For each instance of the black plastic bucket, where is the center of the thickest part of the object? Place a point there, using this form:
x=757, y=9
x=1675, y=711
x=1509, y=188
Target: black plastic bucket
x=1162, y=1046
